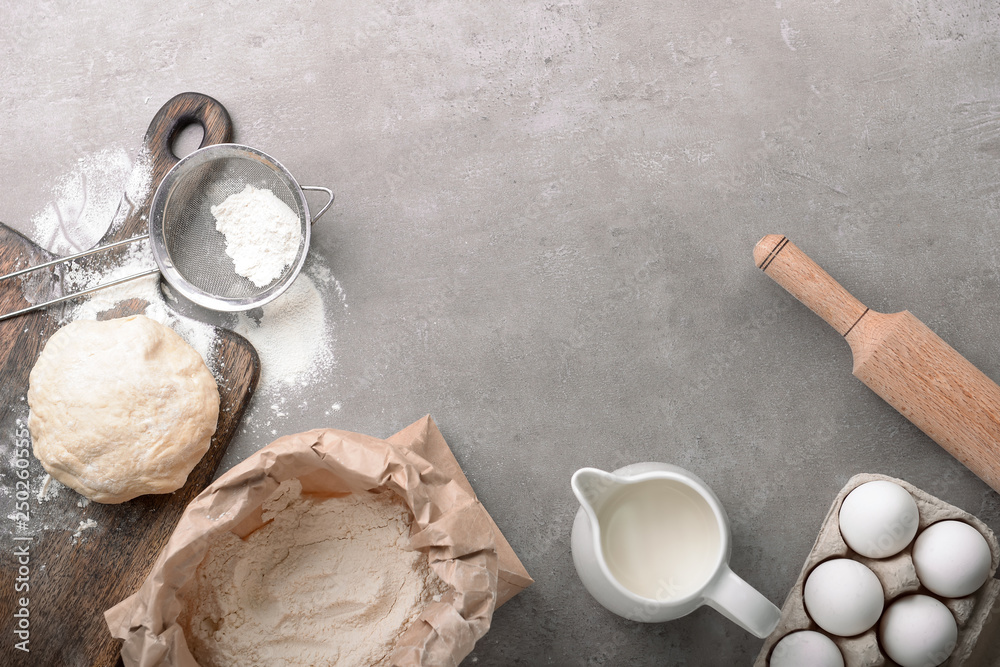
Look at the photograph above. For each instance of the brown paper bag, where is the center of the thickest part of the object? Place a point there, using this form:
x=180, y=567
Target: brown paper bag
x=423, y=437
x=460, y=538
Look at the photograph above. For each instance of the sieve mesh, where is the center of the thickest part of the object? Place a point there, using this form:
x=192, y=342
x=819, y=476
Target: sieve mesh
x=196, y=249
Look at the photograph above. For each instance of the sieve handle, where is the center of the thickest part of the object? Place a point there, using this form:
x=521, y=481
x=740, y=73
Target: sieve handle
x=329, y=193
x=75, y=295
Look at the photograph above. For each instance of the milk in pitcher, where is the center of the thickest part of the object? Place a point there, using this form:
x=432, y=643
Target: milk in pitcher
x=660, y=539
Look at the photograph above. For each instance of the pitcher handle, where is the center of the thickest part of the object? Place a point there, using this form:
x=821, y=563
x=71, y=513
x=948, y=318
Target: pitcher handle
x=742, y=603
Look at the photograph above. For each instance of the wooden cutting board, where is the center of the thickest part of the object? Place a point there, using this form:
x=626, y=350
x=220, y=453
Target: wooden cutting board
x=54, y=587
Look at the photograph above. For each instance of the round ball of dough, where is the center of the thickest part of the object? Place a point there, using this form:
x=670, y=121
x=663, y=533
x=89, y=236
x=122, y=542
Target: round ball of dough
x=120, y=408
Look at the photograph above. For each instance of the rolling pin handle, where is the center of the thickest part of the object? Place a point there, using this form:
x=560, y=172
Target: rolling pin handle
x=791, y=268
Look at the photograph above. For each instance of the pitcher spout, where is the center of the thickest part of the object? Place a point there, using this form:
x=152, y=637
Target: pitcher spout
x=592, y=486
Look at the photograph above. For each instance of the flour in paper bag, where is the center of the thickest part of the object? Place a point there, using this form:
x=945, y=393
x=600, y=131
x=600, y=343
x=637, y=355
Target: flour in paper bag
x=326, y=582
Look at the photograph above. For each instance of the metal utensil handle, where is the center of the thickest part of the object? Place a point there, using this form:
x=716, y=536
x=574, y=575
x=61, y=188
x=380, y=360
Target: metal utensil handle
x=74, y=295
x=319, y=188
x=69, y=258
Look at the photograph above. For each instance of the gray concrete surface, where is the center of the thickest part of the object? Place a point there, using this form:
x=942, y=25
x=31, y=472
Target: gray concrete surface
x=543, y=234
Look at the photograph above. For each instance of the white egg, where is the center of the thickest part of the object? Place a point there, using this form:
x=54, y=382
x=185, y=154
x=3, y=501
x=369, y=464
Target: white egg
x=878, y=519
x=918, y=631
x=806, y=648
x=844, y=597
x=952, y=559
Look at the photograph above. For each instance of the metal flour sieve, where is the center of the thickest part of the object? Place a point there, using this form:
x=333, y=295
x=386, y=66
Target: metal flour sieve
x=189, y=252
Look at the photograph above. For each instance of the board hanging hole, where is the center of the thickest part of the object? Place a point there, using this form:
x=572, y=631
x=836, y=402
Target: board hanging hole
x=187, y=139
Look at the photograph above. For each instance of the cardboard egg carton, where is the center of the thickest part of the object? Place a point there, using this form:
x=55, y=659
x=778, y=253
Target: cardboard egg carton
x=898, y=577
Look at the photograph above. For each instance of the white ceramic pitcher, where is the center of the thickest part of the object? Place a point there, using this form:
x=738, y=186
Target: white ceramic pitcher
x=694, y=573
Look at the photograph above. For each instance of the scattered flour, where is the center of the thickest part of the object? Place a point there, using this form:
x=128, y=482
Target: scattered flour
x=262, y=234
x=84, y=525
x=326, y=582
x=89, y=199
x=48, y=488
x=295, y=336
x=292, y=337
x=135, y=259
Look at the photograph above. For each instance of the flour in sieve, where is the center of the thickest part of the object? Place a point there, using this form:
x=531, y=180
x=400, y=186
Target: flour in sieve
x=262, y=234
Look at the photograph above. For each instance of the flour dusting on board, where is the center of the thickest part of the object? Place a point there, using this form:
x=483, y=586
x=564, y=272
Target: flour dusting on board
x=136, y=259
x=87, y=524
x=48, y=488
x=96, y=195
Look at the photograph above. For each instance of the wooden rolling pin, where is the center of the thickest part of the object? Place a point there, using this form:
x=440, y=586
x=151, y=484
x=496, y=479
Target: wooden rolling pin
x=901, y=360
